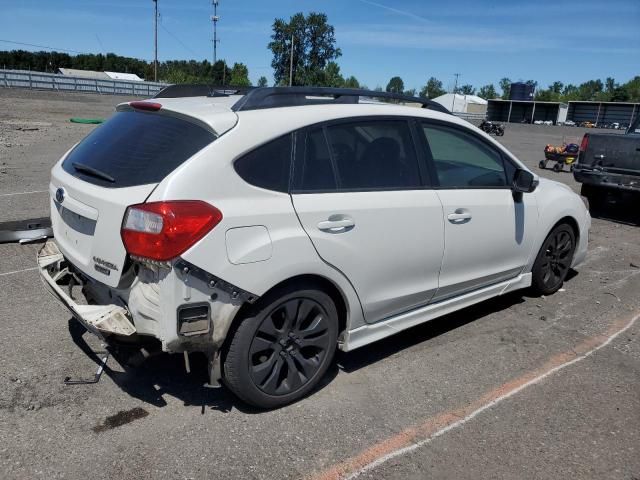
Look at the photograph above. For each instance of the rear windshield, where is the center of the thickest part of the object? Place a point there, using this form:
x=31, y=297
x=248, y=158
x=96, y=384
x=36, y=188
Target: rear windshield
x=135, y=148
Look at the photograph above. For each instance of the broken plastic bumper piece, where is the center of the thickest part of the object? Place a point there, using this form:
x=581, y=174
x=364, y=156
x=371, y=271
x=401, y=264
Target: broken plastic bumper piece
x=98, y=319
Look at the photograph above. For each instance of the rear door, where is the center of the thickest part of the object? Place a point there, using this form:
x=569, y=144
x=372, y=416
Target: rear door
x=363, y=199
x=489, y=231
x=117, y=165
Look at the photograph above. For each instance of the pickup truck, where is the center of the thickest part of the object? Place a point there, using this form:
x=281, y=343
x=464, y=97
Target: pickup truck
x=609, y=165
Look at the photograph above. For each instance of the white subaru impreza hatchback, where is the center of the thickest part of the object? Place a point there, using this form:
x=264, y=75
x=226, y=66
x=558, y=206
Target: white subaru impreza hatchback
x=267, y=227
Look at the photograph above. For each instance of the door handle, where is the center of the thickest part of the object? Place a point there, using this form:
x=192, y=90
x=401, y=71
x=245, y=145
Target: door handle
x=461, y=215
x=337, y=224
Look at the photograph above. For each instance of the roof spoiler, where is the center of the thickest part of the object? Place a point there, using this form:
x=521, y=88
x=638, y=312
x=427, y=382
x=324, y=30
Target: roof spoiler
x=273, y=97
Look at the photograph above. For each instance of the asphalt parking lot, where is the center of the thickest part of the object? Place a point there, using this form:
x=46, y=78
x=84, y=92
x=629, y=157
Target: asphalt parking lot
x=517, y=387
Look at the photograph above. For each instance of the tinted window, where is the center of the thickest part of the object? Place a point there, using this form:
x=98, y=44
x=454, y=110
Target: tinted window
x=135, y=148
x=267, y=166
x=373, y=155
x=314, y=171
x=462, y=161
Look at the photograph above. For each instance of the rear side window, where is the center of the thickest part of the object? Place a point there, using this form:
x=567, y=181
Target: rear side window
x=135, y=148
x=315, y=173
x=267, y=166
x=358, y=156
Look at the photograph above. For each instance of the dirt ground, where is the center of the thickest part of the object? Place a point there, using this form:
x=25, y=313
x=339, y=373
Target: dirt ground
x=578, y=421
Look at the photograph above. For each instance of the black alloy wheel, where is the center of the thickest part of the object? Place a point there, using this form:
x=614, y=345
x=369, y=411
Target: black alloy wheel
x=288, y=348
x=554, y=260
x=282, y=347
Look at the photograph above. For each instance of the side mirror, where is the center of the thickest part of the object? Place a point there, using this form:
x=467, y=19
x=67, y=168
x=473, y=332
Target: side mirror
x=524, y=181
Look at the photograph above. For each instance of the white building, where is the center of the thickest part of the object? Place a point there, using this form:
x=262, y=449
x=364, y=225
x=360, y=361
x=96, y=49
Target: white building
x=458, y=103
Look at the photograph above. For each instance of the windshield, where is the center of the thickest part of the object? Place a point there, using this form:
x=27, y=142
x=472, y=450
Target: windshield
x=135, y=148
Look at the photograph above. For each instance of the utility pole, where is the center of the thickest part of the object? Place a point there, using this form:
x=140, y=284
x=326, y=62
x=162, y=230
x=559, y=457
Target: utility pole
x=155, y=41
x=455, y=90
x=214, y=19
x=291, y=63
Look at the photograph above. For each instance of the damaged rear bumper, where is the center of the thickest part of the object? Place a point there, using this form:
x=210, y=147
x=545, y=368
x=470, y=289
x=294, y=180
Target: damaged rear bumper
x=56, y=273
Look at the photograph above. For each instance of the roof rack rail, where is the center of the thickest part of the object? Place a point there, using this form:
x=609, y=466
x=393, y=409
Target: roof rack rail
x=200, y=90
x=273, y=97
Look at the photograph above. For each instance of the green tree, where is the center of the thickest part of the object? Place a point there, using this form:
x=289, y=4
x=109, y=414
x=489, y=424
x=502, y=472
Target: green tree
x=332, y=76
x=220, y=73
x=590, y=90
x=610, y=85
x=262, y=81
x=570, y=92
x=411, y=92
x=505, y=86
x=467, y=90
x=239, y=75
x=620, y=94
x=314, y=46
x=632, y=87
x=557, y=87
x=432, y=89
x=395, y=85
x=487, y=92
x=352, y=82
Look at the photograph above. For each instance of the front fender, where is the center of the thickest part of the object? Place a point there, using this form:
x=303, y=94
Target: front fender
x=557, y=202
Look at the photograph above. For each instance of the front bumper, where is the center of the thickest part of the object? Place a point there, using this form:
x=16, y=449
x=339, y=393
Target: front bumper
x=101, y=320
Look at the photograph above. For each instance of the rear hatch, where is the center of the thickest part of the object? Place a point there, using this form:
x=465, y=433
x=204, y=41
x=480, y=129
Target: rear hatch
x=119, y=164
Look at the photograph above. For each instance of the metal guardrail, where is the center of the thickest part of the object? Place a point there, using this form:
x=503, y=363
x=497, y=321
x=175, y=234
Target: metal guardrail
x=64, y=83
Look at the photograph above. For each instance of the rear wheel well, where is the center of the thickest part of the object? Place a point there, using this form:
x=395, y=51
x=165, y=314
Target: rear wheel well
x=314, y=281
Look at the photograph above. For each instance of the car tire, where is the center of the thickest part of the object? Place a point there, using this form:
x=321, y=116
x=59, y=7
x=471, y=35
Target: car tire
x=557, y=167
x=282, y=347
x=553, y=260
x=542, y=164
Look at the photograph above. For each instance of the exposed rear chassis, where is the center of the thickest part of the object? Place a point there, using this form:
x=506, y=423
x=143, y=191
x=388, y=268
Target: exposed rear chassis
x=98, y=319
x=123, y=312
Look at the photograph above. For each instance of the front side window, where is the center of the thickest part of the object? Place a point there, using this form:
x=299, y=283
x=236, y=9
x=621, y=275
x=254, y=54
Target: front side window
x=462, y=161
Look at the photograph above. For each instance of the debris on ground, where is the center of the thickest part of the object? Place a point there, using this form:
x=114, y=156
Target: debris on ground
x=86, y=120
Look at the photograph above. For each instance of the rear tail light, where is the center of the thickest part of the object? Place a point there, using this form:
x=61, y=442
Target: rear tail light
x=585, y=143
x=164, y=230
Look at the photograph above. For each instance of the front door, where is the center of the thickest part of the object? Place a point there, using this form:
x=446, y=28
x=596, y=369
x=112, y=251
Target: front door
x=489, y=231
x=359, y=194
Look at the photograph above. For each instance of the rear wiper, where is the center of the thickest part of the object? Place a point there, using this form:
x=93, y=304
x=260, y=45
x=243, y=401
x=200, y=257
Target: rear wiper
x=81, y=167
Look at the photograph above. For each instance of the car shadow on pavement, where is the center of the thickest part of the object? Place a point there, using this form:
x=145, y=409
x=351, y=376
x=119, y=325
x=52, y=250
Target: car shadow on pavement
x=161, y=376
x=622, y=211
x=165, y=374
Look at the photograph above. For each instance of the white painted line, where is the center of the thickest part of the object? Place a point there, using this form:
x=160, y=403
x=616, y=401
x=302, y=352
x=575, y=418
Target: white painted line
x=475, y=413
x=22, y=193
x=18, y=271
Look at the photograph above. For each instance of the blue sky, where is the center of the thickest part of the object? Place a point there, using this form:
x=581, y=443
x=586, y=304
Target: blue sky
x=571, y=41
